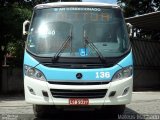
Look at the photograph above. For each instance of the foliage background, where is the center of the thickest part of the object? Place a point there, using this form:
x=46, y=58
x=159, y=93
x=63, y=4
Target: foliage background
x=12, y=17
x=138, y=7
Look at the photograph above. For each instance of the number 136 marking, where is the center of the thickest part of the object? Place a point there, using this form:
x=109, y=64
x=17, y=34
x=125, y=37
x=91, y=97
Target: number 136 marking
x=102, y=75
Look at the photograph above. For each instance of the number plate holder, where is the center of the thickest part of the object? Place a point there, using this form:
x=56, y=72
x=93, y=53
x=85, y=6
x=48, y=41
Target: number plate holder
x=78, y=101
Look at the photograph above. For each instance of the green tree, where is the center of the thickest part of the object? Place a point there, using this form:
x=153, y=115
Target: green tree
x=138, y=7
x=12, y=18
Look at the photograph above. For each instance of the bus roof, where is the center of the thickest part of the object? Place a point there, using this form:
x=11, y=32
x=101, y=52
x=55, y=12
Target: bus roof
x=79, y=4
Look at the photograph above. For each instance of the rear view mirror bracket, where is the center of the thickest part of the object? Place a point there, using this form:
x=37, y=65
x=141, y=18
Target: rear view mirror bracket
x=26, y=24
x=129, y=28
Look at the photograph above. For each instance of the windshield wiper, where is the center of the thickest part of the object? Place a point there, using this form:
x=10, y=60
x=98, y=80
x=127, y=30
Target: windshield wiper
x=56, y=56
x=93, y=47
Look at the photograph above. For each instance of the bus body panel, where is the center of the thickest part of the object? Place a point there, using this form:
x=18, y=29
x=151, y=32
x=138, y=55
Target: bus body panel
x=39, y=86
x=56, y=74
x=39, y=92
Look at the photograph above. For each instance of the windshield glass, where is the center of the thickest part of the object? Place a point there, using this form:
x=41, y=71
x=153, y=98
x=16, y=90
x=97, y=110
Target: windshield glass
x=105, y=28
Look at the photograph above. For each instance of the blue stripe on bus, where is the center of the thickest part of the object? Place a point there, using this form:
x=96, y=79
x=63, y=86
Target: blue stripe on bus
x=28, y=60
x=56, y=74
x=128, y=60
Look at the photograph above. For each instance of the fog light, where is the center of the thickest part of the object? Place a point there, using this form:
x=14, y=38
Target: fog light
x=112, y=93
x=31, y=91
x=125, y=91
x=45, y=94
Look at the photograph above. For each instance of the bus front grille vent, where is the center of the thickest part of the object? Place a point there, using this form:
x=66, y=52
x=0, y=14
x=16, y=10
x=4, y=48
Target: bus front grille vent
x=64, y=93
x=77, y=66
x=78, y=83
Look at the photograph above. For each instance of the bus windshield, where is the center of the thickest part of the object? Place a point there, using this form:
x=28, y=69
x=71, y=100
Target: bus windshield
x=103, y=27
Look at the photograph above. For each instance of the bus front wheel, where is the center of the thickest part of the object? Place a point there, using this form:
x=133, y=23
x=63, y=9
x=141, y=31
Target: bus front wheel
x=43, y=111
x=114, y=110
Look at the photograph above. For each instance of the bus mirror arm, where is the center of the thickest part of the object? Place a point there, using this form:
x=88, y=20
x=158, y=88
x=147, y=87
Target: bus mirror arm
x=129, y=28
x=26, y=24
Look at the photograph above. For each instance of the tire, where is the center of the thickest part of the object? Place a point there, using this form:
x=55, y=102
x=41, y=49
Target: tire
x=113, y=110
x=39, y=111
x=119, y=109
x=43, y=111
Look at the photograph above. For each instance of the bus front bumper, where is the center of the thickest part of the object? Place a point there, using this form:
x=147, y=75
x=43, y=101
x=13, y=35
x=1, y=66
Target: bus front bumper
x=38, y=92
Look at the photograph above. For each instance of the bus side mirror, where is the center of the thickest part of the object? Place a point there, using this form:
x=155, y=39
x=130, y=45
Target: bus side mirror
x=129, y=29
x=26, y=24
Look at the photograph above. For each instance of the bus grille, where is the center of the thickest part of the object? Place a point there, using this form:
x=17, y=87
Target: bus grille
x=63, y=93
x=78, y=83
x=77, y=66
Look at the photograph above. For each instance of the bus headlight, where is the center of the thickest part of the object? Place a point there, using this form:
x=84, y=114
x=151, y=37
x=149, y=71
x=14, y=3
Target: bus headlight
x=123, y=73
x=33, y=72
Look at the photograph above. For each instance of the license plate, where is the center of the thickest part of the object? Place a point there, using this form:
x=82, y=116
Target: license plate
x=78, y=101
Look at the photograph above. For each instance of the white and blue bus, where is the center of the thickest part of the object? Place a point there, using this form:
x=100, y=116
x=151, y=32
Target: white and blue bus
x=77, y=55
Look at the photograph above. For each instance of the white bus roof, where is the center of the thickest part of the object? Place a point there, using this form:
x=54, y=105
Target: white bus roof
x=87, y=4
